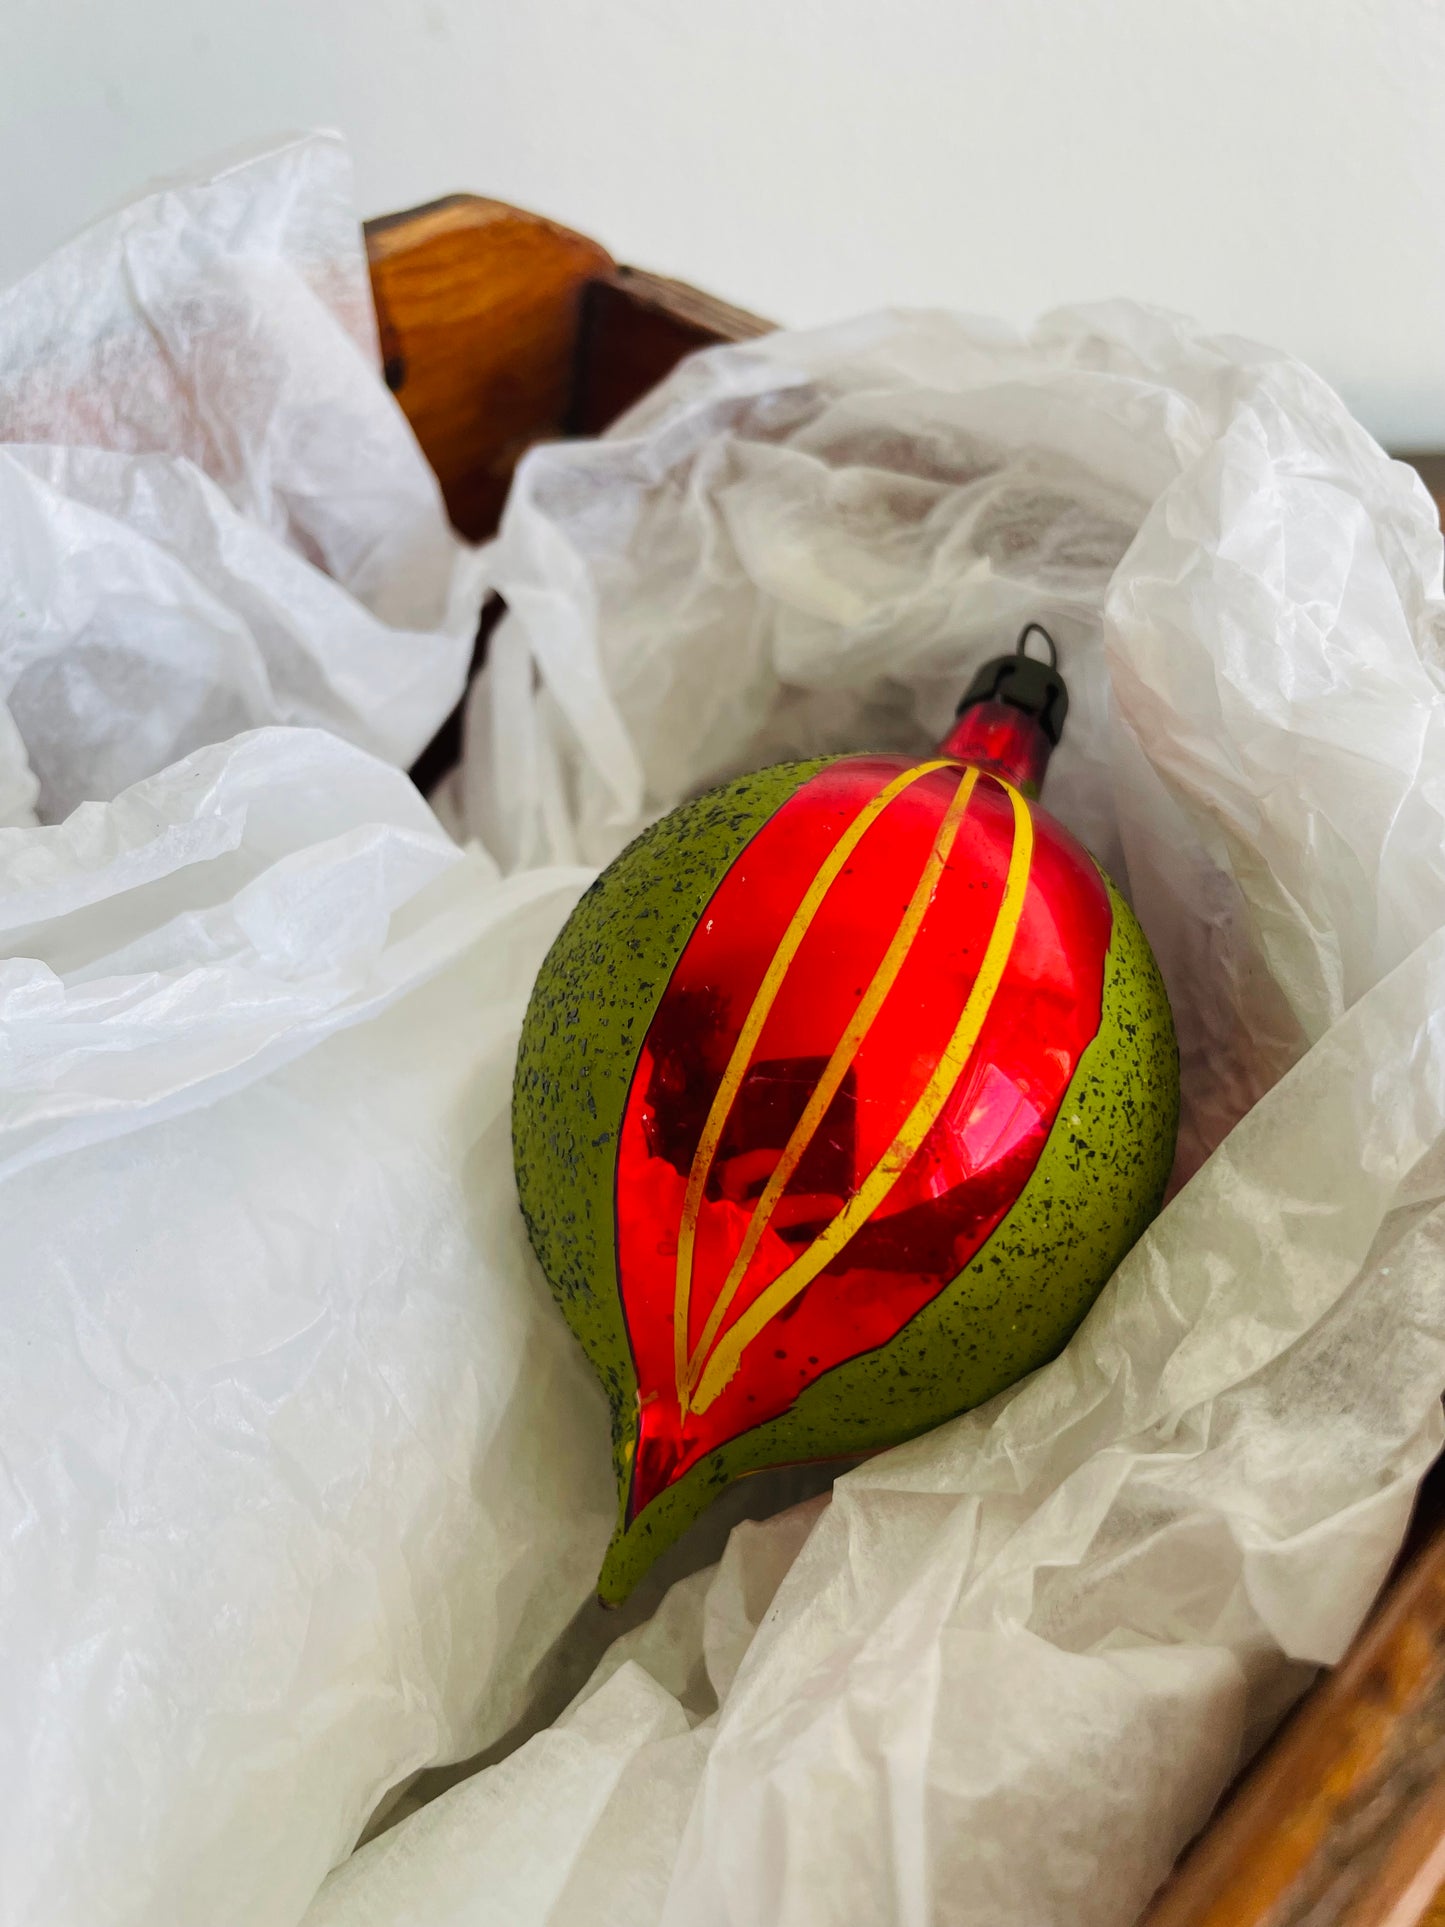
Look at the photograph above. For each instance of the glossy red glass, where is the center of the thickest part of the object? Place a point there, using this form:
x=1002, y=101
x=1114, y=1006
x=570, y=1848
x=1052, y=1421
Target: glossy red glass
x=817, y=1026
x=997, y=736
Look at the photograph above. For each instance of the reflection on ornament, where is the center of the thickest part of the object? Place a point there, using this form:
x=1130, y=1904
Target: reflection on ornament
x=839, y=1096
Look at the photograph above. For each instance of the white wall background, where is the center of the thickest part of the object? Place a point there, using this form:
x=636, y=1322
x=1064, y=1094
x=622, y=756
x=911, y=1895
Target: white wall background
x=1276, y=167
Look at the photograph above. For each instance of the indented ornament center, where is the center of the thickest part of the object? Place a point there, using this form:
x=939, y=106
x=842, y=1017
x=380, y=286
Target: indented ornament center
x=814, y=1108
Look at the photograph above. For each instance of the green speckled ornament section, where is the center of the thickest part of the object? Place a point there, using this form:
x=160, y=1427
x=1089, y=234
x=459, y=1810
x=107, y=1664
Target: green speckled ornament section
x=590, y=1010
x=1099, y=1180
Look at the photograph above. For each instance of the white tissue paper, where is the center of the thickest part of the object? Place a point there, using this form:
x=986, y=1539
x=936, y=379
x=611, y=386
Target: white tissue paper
x=580, y=1824
x=300, y=1472
x=303, y=1473
x=1015, y=1662
x=212, y=514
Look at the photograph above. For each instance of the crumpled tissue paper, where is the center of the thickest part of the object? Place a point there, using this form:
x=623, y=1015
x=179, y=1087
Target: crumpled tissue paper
x=302, y=1472
x=299, y=1468
x=212, y=514
x=580, y=1823
x=1015, y=1662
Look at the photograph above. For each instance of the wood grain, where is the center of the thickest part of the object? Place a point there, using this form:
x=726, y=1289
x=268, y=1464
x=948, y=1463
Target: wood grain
x=480, y=308
x=1342, y=1819
x=636, y=328
x=500, y=329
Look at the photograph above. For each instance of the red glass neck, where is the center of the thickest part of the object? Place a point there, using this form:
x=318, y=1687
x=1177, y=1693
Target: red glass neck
x=999, y=737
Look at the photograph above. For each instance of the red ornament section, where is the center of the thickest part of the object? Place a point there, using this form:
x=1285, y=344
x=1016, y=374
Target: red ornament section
x=847, y=1083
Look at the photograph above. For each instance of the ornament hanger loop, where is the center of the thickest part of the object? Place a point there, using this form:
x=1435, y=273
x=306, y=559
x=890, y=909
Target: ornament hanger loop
x=1021, y=648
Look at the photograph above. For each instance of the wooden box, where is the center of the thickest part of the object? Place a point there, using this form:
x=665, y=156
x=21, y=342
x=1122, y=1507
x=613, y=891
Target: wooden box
x=500, y=329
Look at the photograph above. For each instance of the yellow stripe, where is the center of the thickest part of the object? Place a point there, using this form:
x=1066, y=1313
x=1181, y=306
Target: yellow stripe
x=828, y=872
x=836, y=1069
x=895, y=1160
